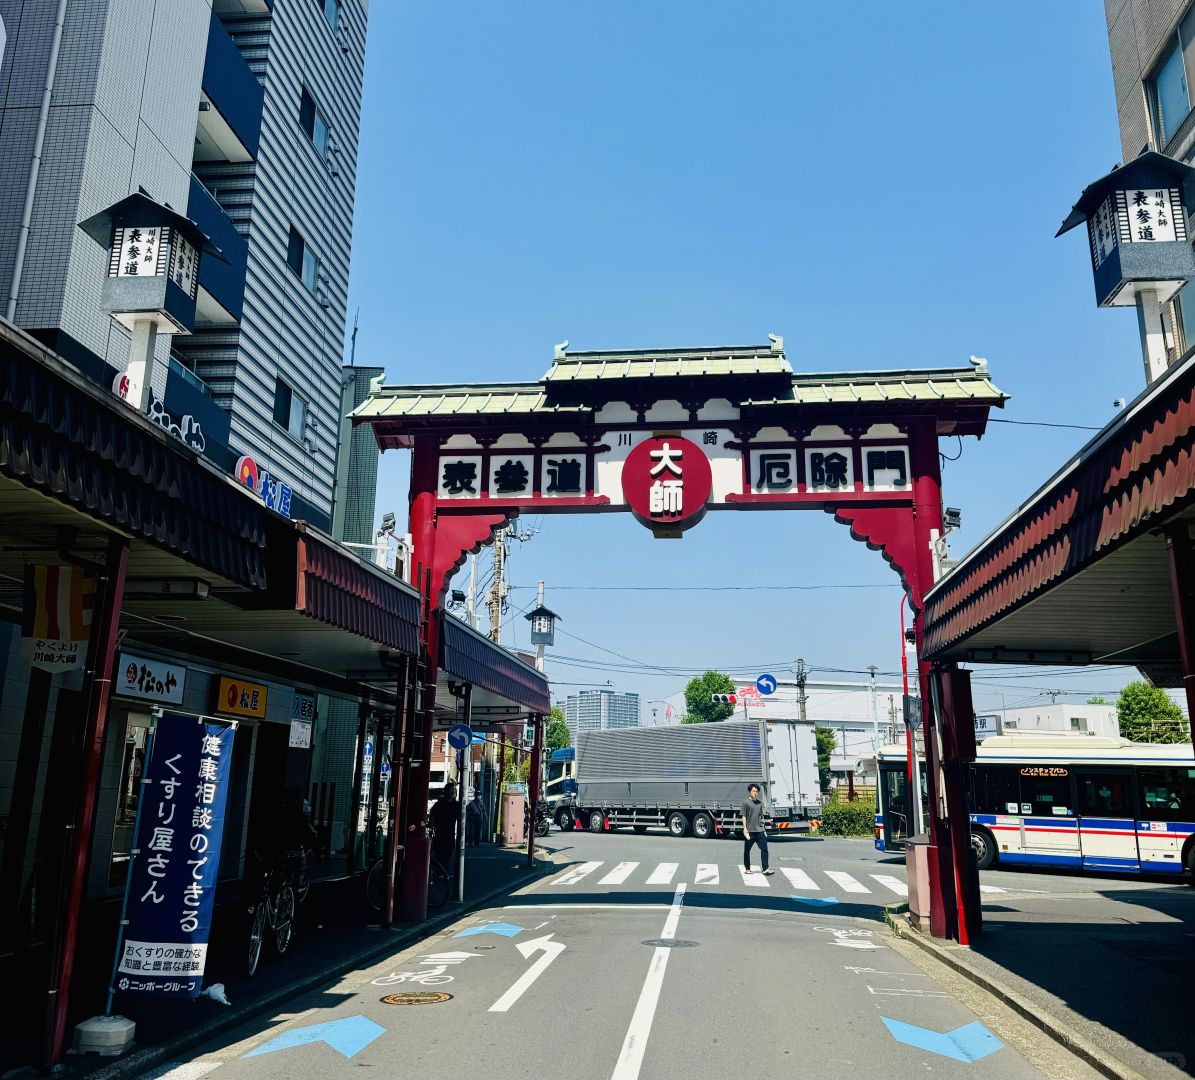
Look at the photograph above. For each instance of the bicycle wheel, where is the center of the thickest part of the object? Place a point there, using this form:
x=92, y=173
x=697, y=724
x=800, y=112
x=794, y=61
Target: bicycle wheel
x=437, y=886
x=284, y=918
x=375, y=886
x=257, y=933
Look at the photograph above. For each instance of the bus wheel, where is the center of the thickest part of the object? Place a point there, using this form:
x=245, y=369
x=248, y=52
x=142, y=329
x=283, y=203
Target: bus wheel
x=703, y=825
x=1189, y=860
x=985, y=848
x=678, y=824
x=597, y=821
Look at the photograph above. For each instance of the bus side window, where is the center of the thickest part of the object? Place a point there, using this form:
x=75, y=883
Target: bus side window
x=995, y=789
x=1104, y=795
x=1049, y=796
x=1167, y=794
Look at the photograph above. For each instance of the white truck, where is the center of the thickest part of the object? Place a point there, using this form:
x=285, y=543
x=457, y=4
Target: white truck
x=692, y=778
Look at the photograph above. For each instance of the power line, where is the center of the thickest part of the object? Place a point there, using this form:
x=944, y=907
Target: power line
x=1042, y=423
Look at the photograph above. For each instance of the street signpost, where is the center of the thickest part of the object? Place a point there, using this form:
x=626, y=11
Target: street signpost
x=766, y=684
x=460, y=736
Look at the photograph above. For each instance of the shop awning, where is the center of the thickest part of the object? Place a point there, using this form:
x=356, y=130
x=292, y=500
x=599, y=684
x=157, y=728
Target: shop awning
x=504, y=687
x=77, y=443
x=1081, y=573
x=346, y=592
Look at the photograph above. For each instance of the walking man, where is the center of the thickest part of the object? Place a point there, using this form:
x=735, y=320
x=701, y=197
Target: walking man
x=753, y=830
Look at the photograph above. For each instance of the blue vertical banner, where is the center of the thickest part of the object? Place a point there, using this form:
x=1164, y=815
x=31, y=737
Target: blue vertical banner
x=172, y=880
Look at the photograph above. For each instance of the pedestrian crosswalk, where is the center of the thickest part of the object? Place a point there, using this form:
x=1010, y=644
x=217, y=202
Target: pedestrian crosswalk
x=787, y=879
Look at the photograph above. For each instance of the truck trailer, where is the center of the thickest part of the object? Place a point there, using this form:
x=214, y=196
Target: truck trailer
x=690, y=779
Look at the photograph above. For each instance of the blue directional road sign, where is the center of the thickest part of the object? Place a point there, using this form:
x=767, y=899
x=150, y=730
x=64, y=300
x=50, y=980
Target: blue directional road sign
x=967, y=1043
x=460, y=736
x=502, y=929
x=385, y=767
x=348, y=1036
x=766, y=684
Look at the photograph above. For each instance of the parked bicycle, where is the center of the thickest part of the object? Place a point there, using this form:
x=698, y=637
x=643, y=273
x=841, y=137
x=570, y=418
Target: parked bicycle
x=272, y=913
x=439, y=885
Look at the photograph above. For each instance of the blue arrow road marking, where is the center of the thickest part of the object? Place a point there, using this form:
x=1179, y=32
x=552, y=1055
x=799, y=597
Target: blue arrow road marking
x=504, y=929
x=967, y=1043
x=818, y=901
x=348, y=1036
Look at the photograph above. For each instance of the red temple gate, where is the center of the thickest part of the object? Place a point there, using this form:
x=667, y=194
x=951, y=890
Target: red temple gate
x=668, y=436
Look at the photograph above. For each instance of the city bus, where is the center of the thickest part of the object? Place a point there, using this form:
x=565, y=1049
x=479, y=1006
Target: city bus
x=1061, y=799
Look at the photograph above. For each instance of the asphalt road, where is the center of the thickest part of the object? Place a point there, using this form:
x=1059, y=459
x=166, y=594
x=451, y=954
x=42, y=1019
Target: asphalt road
x=649, y=958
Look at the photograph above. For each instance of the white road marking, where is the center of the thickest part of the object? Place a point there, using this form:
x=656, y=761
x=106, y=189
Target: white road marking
x=848, y=883
x=756, y=881
x=630, y=1060
x=893, y=883
x=550, y=949
x=192, y=1070
x=799, y=879
x=581, y=907
x=905, y=991
x=571, y=877
x=663, y=874
x=619, y=874
x=991, y=889
x=707, y=874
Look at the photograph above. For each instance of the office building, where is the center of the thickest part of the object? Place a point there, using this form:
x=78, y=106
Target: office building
x=242, y=114
x=597, y=710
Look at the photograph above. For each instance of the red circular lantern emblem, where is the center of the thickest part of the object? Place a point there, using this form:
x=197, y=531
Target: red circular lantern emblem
x=667, y=482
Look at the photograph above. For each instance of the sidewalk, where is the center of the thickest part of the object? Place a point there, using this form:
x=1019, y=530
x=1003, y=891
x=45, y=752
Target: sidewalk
x=1106, y=973
x=330, y=938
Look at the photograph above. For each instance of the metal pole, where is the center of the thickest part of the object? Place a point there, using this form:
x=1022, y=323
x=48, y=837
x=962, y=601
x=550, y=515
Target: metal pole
x=498, y=791
x=355, y=795
x=105, y=628
x=133, y=853
x=464, y=778
x=43, y=117
x=536, y=754
x=498, y=587
x=1178, y=541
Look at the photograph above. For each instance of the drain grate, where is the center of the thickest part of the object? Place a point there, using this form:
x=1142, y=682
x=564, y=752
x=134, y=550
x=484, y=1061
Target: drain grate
x=670, y=943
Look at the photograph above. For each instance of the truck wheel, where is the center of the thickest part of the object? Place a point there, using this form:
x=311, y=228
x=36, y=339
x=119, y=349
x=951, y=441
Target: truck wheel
x=564, y=821
x=597, y=821
x=985, y=848
x=703, y=825
x=678, y=824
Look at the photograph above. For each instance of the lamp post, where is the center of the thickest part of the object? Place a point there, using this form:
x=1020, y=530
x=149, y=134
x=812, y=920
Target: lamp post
x=1141, y=255
x=152, y=283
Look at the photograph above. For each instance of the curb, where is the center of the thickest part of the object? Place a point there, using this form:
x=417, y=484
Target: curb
x=1057, y=1029
x=141, y=1061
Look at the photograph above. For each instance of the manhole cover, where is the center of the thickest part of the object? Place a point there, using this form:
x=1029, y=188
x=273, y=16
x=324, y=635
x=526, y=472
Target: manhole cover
x=670, y=943
x=430, y=998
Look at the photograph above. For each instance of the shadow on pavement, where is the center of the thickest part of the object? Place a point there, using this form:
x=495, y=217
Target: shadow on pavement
x=1122, y=959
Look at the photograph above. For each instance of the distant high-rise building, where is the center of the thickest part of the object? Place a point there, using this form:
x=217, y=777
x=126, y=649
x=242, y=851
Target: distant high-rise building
x=242, y=114
x=597, y=710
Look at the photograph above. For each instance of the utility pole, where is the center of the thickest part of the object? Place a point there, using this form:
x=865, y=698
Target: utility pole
x=802, y=674
x=498, y=588
x=471, y=600
x=875, y=719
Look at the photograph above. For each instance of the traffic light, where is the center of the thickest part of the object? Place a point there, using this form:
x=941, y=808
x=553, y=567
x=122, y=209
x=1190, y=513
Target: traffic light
x=723, y=699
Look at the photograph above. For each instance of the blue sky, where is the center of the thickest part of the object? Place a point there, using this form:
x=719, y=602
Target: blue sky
x=880, y=184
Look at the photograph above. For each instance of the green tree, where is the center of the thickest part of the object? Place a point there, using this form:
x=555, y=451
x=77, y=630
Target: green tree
x=1099, y=699
x=558, y=735
x=520, y=774
x=825, y=747
x=1147, y=714
x=699, y=709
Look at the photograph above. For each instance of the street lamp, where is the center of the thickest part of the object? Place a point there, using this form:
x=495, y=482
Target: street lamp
x=1141, y=255
x=152, y=283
